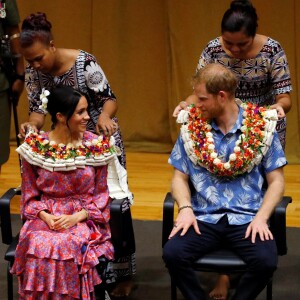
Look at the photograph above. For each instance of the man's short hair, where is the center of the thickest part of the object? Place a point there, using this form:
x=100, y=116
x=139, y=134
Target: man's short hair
x=216, y=78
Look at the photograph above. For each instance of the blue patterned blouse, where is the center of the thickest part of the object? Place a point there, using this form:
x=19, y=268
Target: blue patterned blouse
x=239, y=198
x=261, y=78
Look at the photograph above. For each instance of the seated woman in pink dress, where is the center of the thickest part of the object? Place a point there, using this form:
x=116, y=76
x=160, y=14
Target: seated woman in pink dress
x=65, y=203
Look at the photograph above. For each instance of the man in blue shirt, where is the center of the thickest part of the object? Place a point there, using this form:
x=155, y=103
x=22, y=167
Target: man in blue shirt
x=227, y=150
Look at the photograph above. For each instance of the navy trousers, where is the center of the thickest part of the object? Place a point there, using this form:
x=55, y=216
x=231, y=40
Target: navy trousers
x=180, y=251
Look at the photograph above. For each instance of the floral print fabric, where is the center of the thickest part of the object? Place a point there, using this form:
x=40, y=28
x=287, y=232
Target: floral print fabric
x=61, y=264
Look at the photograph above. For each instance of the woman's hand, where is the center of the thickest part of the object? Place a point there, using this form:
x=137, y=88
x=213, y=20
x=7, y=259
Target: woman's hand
x=182, y=105
x=279, y=109
x=64, y=222
x=192, y=99
x=47, y=218
x=106, y=124
x=25, y=127
x=36, y=122
x=67, y=221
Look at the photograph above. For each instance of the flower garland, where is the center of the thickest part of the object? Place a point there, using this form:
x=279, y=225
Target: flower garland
x=258, y=127
x=38, y=150
x=50, y=149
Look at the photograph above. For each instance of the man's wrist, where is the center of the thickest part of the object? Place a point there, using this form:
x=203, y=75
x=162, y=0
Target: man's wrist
x=185, y=206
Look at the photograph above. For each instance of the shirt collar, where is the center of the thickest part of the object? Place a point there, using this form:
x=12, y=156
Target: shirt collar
x=237, y=126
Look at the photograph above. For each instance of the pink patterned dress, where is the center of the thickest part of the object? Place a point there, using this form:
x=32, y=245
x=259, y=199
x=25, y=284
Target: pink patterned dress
x=61, y=264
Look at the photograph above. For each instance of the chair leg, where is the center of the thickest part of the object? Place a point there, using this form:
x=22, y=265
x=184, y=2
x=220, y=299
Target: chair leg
x=10, y=291
x=270, y=290
x=100, y=292
x=173, y=291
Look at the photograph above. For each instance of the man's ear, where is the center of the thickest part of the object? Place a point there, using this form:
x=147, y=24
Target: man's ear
x=222, y=94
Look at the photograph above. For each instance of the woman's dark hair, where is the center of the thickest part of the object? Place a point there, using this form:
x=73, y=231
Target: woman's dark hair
x=240, y=16
x=62, y=99
x=35, y=27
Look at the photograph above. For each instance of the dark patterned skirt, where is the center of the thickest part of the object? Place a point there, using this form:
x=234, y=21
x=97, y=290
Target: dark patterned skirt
x=123, y=267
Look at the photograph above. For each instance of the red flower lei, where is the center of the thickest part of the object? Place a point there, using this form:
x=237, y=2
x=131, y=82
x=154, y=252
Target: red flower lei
x=249, y=148
x=42, y=146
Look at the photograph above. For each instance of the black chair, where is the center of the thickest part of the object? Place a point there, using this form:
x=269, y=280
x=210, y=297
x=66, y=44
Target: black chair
x=120, y=224
x=225, y=260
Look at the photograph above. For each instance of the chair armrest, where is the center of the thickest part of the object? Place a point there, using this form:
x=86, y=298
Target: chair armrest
x=168, y=217
x=278, y=225
x=121, y=227
x=5, y=218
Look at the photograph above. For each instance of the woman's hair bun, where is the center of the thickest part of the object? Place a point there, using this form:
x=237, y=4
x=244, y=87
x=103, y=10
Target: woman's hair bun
x=37, y=22
x=241, y=5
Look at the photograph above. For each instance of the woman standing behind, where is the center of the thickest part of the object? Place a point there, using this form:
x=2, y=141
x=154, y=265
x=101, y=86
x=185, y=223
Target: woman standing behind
x=261, y=66
x=65, y=203
x=259, y=62
x=49, y=66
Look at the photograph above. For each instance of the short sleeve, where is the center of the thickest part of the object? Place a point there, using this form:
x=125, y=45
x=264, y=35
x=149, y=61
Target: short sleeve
x=275, y=157
x=95, y=78
x=33, y=89
x=280, y=72
x=178, y=158
x=208, y=53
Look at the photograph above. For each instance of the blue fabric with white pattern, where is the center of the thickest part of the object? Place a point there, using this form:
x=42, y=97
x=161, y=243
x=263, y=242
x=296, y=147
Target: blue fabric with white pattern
x=239, y=198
